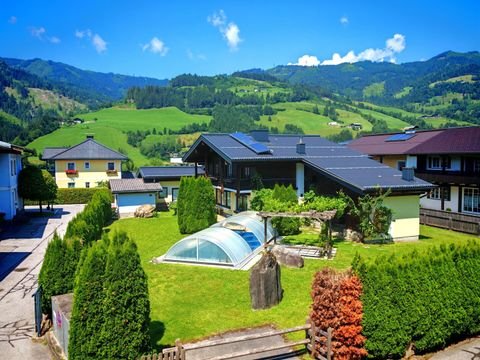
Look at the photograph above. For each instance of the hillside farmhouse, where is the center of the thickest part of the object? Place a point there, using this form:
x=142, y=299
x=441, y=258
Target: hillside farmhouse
x=85, y=165
x=237, y=162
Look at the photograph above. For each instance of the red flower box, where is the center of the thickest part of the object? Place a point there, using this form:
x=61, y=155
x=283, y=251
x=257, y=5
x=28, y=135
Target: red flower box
x=71, y=172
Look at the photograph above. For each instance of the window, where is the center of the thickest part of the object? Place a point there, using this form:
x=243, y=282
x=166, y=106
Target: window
x=242, y=202
x=476, y=165
x=11, y=168
x=401, y=165
x=111, y=166
x=436, y=194
x=14, y=166
x=436, y=163
x=86, y=165
x=471, y=200
x=87, y=185
x=71, y=166
x=164, y=192
x=71, y=185
x=245, y=173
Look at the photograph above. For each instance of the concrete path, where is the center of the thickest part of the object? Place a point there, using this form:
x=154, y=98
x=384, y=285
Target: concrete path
x=466, y=350
x=22, y=249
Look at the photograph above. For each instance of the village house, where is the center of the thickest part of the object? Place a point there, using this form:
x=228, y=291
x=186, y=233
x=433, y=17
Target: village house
x=236, y=163
x=10, y=166
x=169, y=177
x=449, y=158
x=85, y=165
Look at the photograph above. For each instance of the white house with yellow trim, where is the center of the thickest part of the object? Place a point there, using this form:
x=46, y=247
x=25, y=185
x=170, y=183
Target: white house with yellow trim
x=84, y=165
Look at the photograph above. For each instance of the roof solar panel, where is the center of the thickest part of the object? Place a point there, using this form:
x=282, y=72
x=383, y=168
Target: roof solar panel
x=248, y=141
x=400, y=137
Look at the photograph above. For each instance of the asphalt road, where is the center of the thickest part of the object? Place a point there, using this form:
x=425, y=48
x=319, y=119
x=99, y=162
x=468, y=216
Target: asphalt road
x=22, y=249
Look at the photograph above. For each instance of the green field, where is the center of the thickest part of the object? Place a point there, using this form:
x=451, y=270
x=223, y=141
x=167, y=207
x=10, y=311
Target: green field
x=129, y=118
x=109, y=127
x=191, y=302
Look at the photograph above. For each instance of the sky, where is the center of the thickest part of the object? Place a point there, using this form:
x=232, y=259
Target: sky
x=163, y=39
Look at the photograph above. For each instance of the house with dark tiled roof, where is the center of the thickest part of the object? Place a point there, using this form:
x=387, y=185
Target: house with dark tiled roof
x=10, y=166
x=129, y=194
x=449, y=158
x=169, y=177
x=84, y=165
x=237, y=162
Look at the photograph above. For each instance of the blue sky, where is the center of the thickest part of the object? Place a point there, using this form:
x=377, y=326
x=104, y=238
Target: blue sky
x=166, y=38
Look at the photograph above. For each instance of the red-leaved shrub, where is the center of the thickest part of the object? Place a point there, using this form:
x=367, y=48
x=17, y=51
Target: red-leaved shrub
x=336, y=304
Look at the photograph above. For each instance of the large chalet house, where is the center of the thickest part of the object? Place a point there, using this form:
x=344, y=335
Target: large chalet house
x=10, y=166
x=85, y=165
x=449, y=158
x=237, y=162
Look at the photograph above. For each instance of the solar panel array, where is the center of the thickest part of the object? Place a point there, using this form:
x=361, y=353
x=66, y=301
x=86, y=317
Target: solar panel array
x=248, y=141
x=400, y=137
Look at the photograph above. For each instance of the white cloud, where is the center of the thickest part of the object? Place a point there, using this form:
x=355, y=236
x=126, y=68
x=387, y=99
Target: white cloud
x=38, y=32
x=82, y=33
x=393, y=46
x=344, y=20
x=193, y=56
x=12, y=20
x=99, y=44
x=230, y=31
x=307, y=60
x=156, y=46
x=54, y=40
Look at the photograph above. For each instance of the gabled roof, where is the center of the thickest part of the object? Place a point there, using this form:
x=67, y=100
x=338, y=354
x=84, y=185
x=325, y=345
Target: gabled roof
x=120, y=186
x=460, y=140
x=168, y=172
x=340, y=163
x=87, y=150
x=10, y=148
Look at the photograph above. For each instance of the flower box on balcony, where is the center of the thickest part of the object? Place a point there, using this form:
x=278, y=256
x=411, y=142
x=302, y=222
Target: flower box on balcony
x=71, y=172
x=112, y=172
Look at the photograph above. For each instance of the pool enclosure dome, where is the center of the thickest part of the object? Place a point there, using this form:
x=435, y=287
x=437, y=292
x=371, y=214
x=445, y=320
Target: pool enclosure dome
x=229, y=242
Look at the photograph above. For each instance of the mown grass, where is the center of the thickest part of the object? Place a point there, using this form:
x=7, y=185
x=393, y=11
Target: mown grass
x=191, y=302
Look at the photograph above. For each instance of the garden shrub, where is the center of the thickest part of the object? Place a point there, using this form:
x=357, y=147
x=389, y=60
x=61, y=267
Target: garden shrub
x=79, y=196
x=336, y=304
x=195, y=204
x=425, y=300
x=58, y=270
x=110, y=315
x=88, y=224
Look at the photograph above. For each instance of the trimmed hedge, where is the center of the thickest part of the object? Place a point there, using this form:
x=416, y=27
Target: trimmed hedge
x=426, y=300
x=88, y=225
x=195, y=204
x=111, y=311
x=79, y=196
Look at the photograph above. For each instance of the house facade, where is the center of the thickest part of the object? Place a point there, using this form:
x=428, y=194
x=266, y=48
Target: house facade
x=237, y=163
x=10, y=166
x=85, y=165
x=169, y=177
x=449, y=158
x=129, y=194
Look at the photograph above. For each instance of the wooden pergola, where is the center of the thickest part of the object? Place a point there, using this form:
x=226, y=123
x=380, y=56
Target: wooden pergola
x=326, y=216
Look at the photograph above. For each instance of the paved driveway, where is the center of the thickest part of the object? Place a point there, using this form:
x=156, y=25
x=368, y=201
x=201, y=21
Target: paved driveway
x=22, y=249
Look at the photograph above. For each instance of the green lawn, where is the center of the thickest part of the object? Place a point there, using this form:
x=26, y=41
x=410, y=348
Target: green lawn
x=191, y=302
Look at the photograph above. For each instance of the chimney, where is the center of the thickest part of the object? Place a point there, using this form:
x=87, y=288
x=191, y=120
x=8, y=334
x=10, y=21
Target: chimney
x=301, y=147
x=259, y=135
x=90, y=136
x=408, y=174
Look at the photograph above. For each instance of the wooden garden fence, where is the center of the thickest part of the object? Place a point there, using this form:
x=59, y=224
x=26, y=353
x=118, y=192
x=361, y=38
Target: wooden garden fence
x=317, y=342
x=453, y=221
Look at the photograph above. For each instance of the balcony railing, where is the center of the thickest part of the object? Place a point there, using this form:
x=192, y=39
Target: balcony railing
x=247, y=184
x=454, y=177
x=71, y=172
